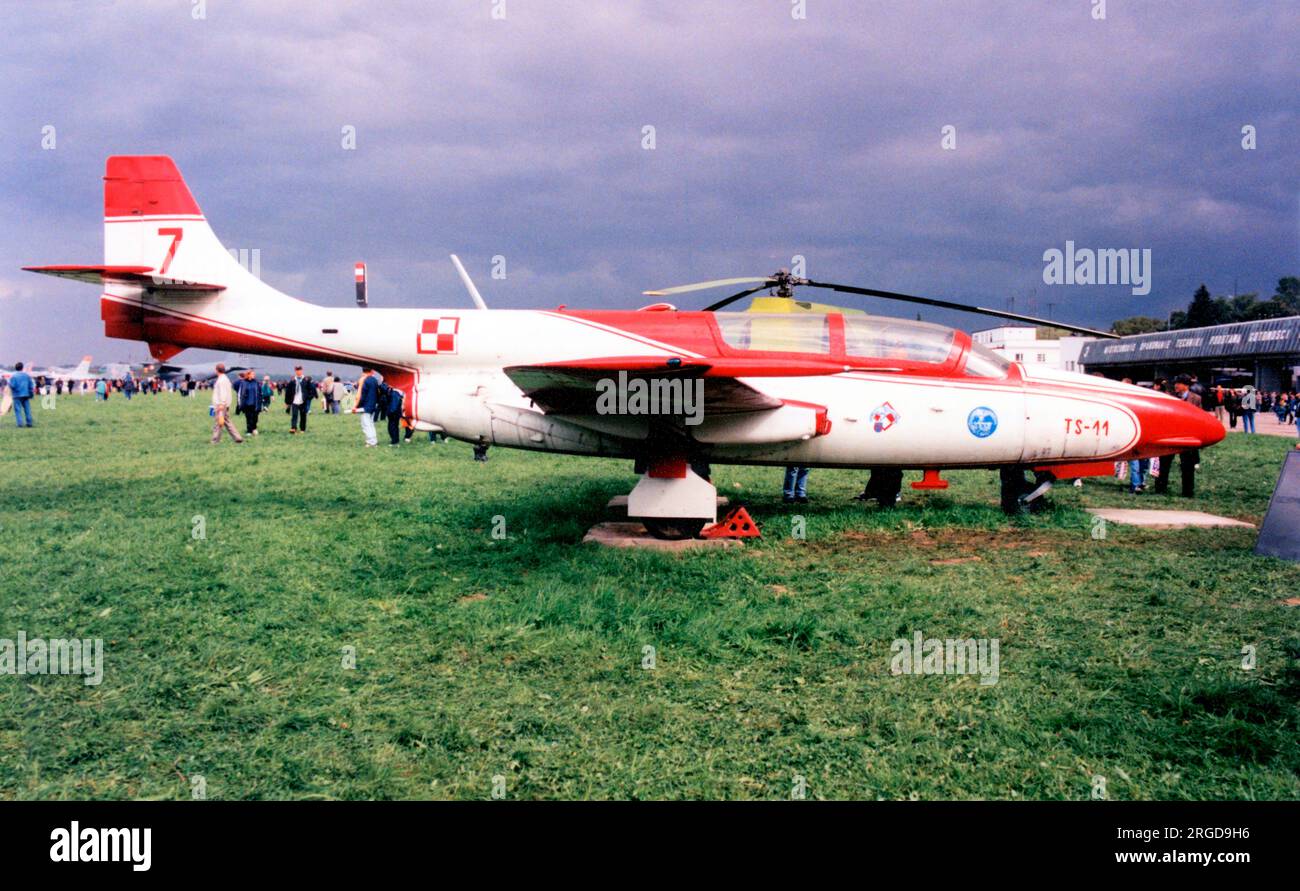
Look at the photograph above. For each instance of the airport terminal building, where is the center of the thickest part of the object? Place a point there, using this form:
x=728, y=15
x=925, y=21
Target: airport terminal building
x=1265, y=353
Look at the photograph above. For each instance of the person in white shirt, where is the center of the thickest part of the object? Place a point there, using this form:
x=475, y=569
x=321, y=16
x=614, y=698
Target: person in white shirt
x=222, y=394
x=298, y=394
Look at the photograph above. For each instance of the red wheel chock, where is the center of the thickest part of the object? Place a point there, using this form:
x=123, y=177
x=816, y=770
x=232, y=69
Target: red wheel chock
x=736, y=524
x=930, y=481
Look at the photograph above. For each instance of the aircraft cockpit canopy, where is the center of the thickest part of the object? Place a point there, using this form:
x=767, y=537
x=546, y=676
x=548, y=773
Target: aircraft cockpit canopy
x=879, y=337
x=873, y=341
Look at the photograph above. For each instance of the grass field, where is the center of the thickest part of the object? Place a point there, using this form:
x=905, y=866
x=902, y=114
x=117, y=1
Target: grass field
x=522, y=658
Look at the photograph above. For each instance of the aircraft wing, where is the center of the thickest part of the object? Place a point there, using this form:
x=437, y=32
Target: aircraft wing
x=571, y=387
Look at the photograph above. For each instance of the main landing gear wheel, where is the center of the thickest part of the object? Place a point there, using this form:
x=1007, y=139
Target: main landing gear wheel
x=673, y=528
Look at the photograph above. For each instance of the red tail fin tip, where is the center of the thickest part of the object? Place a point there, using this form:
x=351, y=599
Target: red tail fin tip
x=145, y=185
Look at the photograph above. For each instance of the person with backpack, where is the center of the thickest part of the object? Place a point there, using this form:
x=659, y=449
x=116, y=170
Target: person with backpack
x=368, y=404
x=249, y=393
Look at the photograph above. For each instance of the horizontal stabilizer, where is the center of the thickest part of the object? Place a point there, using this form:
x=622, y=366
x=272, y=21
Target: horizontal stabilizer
x=131, y=275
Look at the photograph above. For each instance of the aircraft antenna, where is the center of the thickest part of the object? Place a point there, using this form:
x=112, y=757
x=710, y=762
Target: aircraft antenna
x=469, y=283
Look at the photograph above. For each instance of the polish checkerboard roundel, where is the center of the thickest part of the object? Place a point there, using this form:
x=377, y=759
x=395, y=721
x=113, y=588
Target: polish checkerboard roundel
x=438, y=336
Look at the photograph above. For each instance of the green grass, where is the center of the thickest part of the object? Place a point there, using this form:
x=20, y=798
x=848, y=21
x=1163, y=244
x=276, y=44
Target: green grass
x=1121, y=657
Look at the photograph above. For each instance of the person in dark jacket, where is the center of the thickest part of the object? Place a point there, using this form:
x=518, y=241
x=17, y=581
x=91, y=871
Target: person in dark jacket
x=1187, y=458
x=298, y=394
x=368, y=404
x=393, y=408
x=250, y=400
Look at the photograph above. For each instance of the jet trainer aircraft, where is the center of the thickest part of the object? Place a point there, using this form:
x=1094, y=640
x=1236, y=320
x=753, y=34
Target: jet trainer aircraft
x=813, y=386
x=65, y=373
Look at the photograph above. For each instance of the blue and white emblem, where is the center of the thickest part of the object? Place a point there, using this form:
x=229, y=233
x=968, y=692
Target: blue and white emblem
x=982, y=422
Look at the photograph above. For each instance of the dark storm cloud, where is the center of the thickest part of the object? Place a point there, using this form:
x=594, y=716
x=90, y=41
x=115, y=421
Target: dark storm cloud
x=775, y=137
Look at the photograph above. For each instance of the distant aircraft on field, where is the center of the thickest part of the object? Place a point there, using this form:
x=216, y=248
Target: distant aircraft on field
x=65, y=373
x=200, y=372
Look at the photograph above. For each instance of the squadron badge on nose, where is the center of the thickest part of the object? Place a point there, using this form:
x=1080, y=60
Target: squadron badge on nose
x=982, y=422
x=883, y=417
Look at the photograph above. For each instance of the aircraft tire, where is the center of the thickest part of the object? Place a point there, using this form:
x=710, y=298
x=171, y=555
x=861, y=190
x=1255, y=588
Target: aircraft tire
x=673, y=528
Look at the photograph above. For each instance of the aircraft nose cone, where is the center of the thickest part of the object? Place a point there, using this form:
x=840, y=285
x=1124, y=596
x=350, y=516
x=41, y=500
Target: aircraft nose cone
x=1210, y=429
x=1170, y=425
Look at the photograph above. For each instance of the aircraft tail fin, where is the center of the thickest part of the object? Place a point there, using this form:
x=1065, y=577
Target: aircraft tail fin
x=155, y=235
x=152, y=220
x=165, y=273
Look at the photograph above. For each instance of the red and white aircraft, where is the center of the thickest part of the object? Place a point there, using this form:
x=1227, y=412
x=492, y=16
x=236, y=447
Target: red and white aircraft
x=822, y=389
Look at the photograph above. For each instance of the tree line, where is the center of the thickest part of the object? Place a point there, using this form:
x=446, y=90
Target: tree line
x=1205, y=310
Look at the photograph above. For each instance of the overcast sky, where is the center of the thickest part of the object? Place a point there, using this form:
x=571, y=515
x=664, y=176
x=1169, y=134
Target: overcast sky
x=774, y=136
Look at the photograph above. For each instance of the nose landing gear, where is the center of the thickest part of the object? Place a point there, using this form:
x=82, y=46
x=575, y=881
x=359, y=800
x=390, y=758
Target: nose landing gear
x=1020, y=495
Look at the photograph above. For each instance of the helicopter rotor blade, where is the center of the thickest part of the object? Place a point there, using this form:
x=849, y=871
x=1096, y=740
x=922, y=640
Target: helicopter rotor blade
x=702, y=286
x=714, y=307
x=964, y=307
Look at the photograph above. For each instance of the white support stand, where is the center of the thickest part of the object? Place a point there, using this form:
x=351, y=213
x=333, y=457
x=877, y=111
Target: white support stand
x=688, y=497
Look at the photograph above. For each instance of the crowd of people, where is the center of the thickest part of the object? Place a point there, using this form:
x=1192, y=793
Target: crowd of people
x=1233, y=404
x=375, y=400
x=246, y=395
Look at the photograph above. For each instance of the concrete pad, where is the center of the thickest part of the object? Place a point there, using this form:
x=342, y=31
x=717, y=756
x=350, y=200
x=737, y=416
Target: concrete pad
x=634, y=535
x=619, y=503
x=1163, y=519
